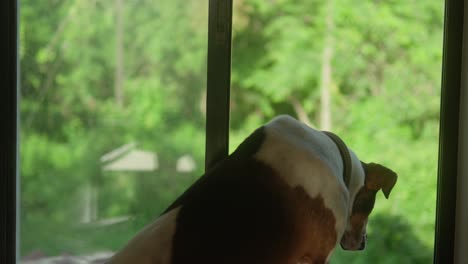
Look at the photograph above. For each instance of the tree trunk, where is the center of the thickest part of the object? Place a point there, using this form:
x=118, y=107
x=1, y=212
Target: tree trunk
x=300, y=111
x=326, y=75
x=119, y=53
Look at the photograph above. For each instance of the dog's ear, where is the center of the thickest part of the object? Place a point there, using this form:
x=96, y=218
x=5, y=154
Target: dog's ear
x=379, y=177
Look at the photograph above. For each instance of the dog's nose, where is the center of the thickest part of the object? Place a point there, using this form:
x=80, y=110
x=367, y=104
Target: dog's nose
x=363, y=243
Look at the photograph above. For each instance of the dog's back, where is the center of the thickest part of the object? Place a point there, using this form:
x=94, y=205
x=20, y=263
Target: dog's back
x=276, y=199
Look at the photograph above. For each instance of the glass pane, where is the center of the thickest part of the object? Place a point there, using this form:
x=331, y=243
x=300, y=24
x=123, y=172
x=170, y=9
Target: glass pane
x=112, y=119
x=367, y=70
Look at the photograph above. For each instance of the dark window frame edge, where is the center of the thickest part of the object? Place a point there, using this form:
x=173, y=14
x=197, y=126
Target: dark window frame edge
x=449, y=129
x=9, y=242
x=218, y=81
x=461, y=214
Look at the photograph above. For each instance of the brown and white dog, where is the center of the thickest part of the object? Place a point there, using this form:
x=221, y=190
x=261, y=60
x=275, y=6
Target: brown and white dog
x=287, y=195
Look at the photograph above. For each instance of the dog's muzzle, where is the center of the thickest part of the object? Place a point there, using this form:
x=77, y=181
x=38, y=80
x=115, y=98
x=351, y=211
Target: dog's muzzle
x=348, y=243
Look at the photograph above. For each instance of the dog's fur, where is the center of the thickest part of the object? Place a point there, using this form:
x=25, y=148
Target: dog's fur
x=279, y=198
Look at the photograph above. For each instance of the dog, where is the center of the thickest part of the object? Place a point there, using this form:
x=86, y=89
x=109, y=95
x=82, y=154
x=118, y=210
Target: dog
x=287, y=195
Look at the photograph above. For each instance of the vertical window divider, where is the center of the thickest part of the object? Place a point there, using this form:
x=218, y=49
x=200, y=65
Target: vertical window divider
x=218, y=81
x=449, y=128
x=9, y=244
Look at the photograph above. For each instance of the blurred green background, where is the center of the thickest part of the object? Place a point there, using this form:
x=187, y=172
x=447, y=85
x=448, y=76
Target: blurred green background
x=99, y=75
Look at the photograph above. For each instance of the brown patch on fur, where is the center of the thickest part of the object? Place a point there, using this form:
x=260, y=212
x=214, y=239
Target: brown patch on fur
x=358, y=221
x=315, y=233
x=248, y=214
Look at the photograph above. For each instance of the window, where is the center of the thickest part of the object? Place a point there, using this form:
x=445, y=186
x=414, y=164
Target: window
x=373, y=83
x=112, y=115
x=120, y=145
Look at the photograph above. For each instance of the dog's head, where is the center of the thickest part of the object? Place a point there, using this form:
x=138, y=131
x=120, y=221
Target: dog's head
x=376, y=177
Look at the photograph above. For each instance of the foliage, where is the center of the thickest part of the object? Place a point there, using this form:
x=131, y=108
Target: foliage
x=385, y=103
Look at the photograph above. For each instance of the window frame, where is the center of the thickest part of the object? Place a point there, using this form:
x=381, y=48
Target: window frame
x=217, y=123
x=218, y=81
x=449, y=132
x=461, y=214
x=9, y=141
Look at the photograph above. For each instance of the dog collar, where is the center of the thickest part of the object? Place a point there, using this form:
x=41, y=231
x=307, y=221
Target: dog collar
x=345, y=156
